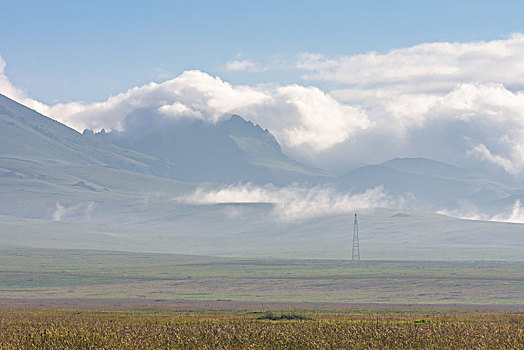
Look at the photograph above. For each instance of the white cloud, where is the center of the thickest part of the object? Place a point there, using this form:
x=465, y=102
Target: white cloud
x=324, y=122
x=456, y=102
x=61, y=212
x=425, y=67
x=515, y=215
x=240, y=66
x=489, y=117
x=297, y=115
x=85, y=210
x=193, y=94
x=179, y=110
x=295, y=202
x=9, y=90
x=485, y=154
x=466, y=215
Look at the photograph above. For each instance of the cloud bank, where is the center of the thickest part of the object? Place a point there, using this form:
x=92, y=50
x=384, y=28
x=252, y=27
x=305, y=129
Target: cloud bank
x=290, y=112
x=295, y=202
x=461, y=103
x=457, y=102
x=426, y=67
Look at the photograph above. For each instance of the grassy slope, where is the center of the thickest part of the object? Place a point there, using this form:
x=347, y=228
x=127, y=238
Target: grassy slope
x=155, y=224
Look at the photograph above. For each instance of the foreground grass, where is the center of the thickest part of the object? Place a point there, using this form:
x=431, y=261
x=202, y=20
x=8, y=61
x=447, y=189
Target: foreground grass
x=52, y=329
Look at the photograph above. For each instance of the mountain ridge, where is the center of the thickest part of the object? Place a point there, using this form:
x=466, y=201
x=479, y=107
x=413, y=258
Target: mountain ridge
x=230, y=151
x=50, y=142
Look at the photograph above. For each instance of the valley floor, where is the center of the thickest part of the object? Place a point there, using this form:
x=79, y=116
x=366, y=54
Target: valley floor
x=47, y=274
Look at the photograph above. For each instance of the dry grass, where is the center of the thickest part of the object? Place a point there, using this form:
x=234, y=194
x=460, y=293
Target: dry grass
x=54, y=329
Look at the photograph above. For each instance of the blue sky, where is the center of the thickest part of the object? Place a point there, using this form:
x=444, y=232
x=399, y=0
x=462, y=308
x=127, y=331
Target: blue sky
x=88, y=50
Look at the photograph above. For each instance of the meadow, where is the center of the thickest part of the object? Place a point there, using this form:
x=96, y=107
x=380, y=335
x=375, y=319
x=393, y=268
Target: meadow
x=83, y=274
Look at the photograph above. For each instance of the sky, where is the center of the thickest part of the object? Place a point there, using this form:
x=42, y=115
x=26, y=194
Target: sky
x=339, y=83
x=92, y=49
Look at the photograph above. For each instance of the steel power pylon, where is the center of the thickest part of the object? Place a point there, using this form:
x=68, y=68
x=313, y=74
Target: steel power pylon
x=355, y=253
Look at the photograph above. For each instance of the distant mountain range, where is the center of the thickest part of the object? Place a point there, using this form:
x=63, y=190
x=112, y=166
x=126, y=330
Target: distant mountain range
x=124, y=188
x=231, y=151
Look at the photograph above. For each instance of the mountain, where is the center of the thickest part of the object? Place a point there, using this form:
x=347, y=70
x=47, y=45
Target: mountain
x=429, y=167
x=45, y=166
x=432, y=185
x=230, y=151
x=27, y=135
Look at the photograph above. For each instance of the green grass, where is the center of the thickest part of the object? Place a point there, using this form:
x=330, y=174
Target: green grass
x=32, y=273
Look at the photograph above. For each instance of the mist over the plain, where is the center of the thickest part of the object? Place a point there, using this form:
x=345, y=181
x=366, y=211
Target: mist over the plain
x=295, y=202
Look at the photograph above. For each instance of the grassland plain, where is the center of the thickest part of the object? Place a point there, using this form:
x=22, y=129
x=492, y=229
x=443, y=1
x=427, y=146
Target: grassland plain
x=73, y=329
x=77, y=274
x=53, y=299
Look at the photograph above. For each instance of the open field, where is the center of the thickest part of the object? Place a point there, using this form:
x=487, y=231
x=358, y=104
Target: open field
x=50, y=329
x=52, y=298
x=76, y=274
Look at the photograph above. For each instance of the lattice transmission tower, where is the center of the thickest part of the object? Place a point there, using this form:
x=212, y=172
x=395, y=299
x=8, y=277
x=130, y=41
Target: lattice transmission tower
x=355, y=252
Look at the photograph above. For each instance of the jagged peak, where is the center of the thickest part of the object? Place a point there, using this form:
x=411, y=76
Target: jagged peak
x=239, y=125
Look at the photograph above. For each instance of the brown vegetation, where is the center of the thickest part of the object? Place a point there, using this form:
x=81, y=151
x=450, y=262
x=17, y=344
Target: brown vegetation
x=54, y=329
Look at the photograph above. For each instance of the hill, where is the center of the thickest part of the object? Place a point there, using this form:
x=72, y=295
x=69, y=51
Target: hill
x=431, y=185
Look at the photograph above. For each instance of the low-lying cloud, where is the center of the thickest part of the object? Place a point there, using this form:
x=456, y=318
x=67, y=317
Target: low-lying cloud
x=297, y=203
x=514, y=215
x=81, y=210
x=61, y=212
